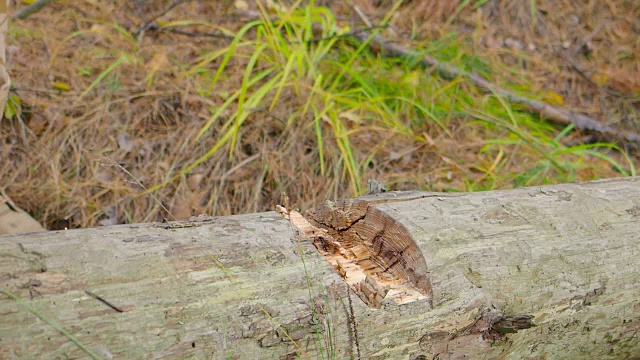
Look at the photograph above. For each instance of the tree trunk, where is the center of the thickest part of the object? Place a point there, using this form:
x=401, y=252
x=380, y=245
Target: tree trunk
x=543, y=272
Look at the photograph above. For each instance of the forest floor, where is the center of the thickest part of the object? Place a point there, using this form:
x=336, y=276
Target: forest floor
x=135, y=111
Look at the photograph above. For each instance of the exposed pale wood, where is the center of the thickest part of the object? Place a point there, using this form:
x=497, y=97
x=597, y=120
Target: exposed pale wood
x=566, y=255
x=372, y=252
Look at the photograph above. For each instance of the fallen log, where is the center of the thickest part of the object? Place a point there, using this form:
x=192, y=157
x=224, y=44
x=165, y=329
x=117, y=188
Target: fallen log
x=541, y=272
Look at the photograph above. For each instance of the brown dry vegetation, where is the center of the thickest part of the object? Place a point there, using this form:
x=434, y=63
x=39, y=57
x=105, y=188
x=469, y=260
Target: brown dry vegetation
x=105, y=109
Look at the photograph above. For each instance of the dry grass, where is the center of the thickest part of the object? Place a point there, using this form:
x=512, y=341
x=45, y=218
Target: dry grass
x=96, y=100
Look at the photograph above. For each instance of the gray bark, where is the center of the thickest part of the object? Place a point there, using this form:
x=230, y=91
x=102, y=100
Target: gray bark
x=31, y=9
x=564, y=258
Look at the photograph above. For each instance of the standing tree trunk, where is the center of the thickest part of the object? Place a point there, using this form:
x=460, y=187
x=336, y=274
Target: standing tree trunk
x=543, y=272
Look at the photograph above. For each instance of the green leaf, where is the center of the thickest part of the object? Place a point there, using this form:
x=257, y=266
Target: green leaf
x=60, y=85
x=13, y=106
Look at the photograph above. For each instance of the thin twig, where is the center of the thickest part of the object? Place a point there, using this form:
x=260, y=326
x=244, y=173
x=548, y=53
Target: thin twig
x=44, y=91
x=102, y=300
x=363, y=16
x=345, y=35
x=543, y=28
x=149, y=22
x=114, y=163
x=221, y=35
x=586, y=76
x=218, y=35
x=366, y=20
x=224, y=176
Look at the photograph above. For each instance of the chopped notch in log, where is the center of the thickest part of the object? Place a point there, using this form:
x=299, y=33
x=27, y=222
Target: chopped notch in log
x=373, y=253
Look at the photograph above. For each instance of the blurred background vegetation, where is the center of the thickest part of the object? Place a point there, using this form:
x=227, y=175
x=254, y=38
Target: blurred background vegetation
x=134, y=111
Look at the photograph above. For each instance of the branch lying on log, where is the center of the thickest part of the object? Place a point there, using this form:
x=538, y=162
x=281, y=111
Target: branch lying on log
x=549, y=112
x=545, y=272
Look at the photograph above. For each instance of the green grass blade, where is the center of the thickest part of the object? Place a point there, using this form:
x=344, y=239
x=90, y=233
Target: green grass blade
x=101, y=76
x=51, y=323
x=231, y=49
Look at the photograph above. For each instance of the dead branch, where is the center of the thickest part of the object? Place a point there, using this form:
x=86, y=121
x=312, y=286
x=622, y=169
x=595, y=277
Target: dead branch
x=555, y=114
x=31, y=9
x=145, y=25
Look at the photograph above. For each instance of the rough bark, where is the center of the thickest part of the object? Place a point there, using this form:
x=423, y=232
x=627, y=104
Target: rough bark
x=542, y=272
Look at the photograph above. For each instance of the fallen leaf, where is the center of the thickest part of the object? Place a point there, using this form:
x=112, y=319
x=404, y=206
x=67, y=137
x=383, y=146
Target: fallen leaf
x=553, y=98
x=124, y=142
x=241, y=5
x=37, y=123
x=624, y=78
x=195, y=181
x=60, y=85
x=180, y=208
x=600, y=78
x=5, y=84
x=12, y=107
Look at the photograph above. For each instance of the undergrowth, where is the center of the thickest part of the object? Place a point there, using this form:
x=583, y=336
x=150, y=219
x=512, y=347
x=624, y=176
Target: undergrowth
x=284, y=102
x=287, y=102
x=341, y=90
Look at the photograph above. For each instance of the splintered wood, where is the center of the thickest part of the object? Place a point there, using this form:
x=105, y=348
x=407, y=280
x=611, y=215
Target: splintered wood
x=374, y=254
